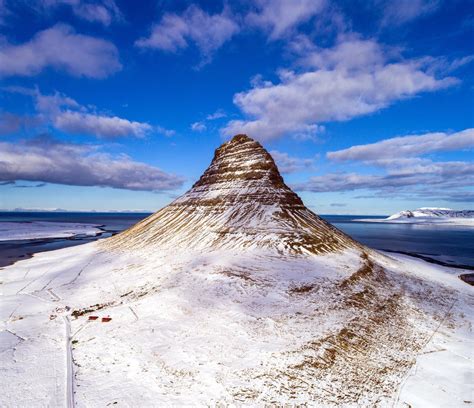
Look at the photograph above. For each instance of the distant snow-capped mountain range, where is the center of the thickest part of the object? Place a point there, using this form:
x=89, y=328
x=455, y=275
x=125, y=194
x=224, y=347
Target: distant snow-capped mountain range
x=429, y=215
x=431, y=212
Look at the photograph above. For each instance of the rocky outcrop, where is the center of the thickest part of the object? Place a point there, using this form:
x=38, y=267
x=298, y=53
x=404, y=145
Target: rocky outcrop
x=241, y=201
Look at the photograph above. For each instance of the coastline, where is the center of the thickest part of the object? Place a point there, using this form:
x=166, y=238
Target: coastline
x=18, y=250
x=429, y=259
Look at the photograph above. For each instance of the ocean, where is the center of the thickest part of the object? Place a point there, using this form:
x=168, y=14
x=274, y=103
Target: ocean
x=451, y=245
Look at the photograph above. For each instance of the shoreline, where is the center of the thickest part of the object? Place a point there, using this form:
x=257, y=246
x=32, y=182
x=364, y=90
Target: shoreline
x=430, y=260
x=17, y=251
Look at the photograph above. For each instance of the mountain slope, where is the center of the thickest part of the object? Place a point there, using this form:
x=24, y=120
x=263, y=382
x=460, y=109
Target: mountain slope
x=240, y=201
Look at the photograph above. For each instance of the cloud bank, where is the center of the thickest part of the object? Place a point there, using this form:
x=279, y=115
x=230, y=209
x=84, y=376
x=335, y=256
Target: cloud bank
x=407, y=146
x=46, y=160
x=402, y=171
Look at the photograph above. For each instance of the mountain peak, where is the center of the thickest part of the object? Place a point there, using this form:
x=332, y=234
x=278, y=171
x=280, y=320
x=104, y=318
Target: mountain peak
x=241, y=201
x=241, y=138
x=241, y=160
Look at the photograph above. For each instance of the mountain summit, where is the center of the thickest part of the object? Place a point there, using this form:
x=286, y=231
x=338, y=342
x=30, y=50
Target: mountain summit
x=240, y=201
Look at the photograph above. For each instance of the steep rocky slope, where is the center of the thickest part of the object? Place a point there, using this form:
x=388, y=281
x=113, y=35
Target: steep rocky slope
x=240, y=201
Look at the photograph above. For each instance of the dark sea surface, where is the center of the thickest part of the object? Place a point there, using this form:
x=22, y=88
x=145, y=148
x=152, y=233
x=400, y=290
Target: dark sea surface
x=446, y=244
x=451, y=244
x=111, y=223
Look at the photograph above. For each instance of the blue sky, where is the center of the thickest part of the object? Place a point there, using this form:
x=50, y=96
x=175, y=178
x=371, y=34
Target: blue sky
x=367, y=106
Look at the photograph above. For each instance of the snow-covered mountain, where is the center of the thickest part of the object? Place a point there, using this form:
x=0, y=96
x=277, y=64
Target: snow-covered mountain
x=235, y=294
x=434, y=215
x=432, y=212
x=240, y=202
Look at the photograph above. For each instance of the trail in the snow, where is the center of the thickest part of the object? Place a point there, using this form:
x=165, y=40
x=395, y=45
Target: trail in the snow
x=69, y=365
x=69, y=381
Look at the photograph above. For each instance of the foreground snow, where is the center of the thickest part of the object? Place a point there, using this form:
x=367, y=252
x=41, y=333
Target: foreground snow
x=443, y=372
x=10, y=231
x=253, y=328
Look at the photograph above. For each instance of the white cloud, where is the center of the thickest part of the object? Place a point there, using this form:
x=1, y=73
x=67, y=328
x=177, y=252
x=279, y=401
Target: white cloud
x=401, y=171
x=51, y=105
x=288, y=164
x=439, y=176
x=218, y=114
x=404, y=11
x=349, y=54
x=164, y=131
x=100, y=126
x=99, y=11
x=198, y=127
x=104, y=12
x=60, y=47
x=278, y=17
x=201, y=126
x=46, y=160
x=67, y=115
x=405, y=146
x=353, y=78
x=208, y=32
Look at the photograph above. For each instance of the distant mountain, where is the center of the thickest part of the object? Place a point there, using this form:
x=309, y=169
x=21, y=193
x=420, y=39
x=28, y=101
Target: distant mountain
x=431, y=214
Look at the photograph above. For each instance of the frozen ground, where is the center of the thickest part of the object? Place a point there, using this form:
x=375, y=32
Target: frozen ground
x=10, y=231
x=446, y=362
x=249, y=328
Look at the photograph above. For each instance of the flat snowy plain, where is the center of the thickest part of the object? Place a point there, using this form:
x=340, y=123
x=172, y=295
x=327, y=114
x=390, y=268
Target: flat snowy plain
x=233, y=328
x=10, y=231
